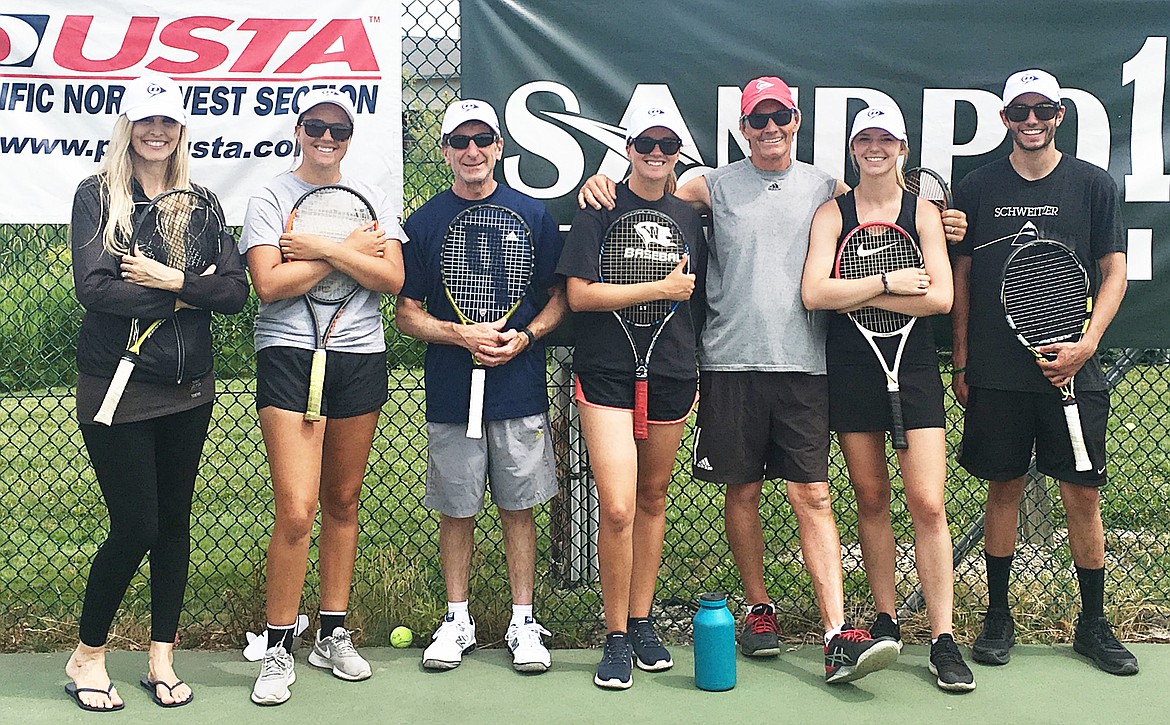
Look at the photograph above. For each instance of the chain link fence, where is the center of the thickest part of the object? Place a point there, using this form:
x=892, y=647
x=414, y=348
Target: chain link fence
x=55, y=518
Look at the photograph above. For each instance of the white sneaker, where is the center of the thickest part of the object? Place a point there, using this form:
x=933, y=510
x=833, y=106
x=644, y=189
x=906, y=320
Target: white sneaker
x=453, y=639
x=528, y=651
x=276, y=674
x=338, y=654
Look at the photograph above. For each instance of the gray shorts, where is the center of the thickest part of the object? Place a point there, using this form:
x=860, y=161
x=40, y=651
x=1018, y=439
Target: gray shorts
x=514, y=458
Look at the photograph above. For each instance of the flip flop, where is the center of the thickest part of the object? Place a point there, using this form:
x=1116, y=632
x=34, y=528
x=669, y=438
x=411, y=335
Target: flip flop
x=74, y=691
x=151, y=686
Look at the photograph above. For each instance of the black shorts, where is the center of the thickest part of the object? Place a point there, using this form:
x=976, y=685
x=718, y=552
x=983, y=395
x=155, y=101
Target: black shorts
x=1001, y=426
x=668, y=400
x=858, y=401
x=355, y=383
x=754, y=426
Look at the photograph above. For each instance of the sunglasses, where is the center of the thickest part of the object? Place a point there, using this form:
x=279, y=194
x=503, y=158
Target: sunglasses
x=482, y=140
x=317, y=129
x=1018, y=112
x=645, y=145
x=759, y=121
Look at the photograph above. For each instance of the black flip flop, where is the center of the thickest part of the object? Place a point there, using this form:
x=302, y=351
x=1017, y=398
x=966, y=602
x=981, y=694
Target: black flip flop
x=74, y=691
x=151, y=686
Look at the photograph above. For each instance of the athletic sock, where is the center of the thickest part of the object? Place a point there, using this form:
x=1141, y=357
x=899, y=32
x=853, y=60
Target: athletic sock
x=329, y=622
x=999, y=569
x=459, y=610
x=832, y=633
x=1092, y=583
x=281, y=634
x=520, y=612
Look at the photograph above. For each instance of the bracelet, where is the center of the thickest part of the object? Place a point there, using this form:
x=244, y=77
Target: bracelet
x=885, y=284
x=528, y=333
x=956, y=371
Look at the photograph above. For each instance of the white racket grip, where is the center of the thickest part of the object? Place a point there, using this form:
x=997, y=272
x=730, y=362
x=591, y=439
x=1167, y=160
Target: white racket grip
x=475, y=410
x=1072, y=416
x=105, y=414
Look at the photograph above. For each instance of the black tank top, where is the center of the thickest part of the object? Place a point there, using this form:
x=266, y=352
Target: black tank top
x=844, y=345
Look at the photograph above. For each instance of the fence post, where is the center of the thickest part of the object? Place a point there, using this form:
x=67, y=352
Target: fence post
x=1035, y=524
x=574, y=511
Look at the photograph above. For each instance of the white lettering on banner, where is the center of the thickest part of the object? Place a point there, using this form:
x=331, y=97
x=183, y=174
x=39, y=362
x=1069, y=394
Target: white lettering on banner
x=1146, y=72
x=544, y=139
x=1092, y=126
x=938, y=126
x=832, y=124
x=243, y=69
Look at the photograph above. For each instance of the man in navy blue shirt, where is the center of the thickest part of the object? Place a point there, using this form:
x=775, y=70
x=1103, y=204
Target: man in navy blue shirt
x=515, y=455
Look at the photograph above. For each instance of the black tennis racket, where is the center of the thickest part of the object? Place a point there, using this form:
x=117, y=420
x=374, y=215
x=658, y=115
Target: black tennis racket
x=487, y=264
x=878, y=248
x=1046, y=300
x=643, y=245
x=930, y=185
x=180, y=228
x=332, y=212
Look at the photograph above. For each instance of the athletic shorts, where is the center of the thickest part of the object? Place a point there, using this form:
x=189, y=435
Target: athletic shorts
x=1001, y=426
x=753, y=426
x=514, y=459
x=355, y=383
x=668, y=400
x=859, y=402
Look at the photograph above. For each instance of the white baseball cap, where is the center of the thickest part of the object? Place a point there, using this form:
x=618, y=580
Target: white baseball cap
x=460, y=112
x=1031, y=81
x=317, y=96
x=153, y=95
x=887, y=118
x=649, y=117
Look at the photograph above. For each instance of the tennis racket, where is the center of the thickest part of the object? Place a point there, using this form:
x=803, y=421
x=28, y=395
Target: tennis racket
x=929, y=184
x=487, y=263
x=877, y=248
x=332, y=212
x=642, y=246
x=1046, y=300
x=180, y=228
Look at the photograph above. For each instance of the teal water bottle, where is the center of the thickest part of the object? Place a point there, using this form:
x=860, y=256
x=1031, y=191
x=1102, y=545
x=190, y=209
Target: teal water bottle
x=714, y=644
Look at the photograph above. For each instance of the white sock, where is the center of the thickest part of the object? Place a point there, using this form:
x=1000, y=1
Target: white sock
x=519, y=612
x=833, y=633
x=459, y=610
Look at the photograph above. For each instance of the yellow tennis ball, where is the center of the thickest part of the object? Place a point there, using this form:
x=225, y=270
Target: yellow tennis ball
x=401, y=637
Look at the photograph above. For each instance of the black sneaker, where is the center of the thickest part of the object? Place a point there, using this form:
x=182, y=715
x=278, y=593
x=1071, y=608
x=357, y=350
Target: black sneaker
x=998, y=635
x=884, y=627
x=760, y=636
x=852, y=654
x=1095, y=640
x=649, y=654
x=946, y=663
x=616, y=669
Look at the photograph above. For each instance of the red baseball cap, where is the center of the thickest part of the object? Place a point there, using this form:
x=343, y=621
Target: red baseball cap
x=767, y=88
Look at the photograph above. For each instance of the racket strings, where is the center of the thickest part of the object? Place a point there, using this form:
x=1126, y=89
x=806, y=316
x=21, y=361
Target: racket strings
x=1045, y=295
x=332, y=213
x=927, y=186
x=185, y=234
x=487, y=262
x=642, y=246
x=871, y=250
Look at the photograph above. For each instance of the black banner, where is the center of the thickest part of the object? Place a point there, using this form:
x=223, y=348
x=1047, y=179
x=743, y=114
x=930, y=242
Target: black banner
x=564, y=74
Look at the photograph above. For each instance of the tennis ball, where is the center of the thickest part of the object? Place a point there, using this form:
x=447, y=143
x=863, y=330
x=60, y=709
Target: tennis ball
x=401, y=637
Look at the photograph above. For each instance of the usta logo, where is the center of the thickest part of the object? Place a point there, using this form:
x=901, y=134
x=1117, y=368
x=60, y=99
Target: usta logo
x=214, y=42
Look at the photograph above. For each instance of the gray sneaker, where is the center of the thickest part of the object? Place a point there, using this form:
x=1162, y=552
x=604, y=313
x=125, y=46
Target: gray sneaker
x=337, y=653
x=276, y=674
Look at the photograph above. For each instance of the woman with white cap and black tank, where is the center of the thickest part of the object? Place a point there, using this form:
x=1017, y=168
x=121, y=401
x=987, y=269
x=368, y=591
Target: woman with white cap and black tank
x=858, y=401
x=147, y=459
x=322, y=461
x=632, y=475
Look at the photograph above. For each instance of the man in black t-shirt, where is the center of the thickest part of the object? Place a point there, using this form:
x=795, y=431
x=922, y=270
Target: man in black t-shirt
x=1012, y=401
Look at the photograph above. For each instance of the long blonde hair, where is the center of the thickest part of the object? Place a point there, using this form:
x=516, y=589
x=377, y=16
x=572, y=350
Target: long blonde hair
x=116, y=174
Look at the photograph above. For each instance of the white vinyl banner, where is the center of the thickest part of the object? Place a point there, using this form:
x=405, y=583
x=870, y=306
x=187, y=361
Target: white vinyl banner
x=242, y=67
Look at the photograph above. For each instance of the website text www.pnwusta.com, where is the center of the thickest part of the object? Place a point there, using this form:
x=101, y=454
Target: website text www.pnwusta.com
x=95, y=149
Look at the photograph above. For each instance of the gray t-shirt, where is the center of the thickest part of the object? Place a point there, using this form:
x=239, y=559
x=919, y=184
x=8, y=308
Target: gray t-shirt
x=755, y=318
x=286, y=322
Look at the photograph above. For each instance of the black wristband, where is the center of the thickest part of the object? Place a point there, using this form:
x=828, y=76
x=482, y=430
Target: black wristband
x=528, y=333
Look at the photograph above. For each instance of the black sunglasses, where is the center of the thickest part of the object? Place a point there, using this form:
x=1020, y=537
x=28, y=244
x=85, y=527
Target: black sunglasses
x=1018, y=112
x=482, y=140
x=645, y=145
x=759, y=121
x=317, y=129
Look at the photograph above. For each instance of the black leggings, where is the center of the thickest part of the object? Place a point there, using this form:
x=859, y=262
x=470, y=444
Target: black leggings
x=146, y=471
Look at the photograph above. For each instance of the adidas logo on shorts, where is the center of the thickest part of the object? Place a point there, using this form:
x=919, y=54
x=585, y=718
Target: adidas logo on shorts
x=703, y=464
